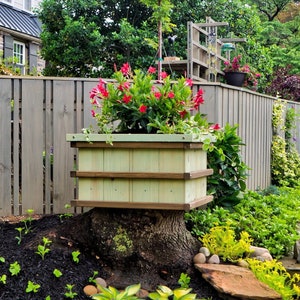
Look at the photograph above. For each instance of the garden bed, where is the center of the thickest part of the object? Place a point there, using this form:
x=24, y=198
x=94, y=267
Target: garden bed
x=39, y=271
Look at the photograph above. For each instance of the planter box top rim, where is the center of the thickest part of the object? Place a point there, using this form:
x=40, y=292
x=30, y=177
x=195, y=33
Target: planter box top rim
x=186, y=138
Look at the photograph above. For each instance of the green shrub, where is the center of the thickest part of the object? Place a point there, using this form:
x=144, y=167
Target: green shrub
x=230, y=172
x=270, y=220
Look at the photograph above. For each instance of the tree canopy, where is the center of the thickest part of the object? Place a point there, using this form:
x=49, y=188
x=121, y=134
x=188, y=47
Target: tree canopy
x=87, y=38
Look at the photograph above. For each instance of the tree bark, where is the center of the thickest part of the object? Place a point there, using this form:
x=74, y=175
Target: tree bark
x=148, y=246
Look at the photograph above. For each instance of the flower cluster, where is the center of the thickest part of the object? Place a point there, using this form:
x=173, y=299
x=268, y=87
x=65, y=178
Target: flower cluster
x=251, y=78
x=136, y=103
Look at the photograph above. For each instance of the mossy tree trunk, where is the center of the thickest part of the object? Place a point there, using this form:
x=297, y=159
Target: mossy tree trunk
x=147, y=246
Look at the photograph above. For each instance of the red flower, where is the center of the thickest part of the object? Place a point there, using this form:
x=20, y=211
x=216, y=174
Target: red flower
x=163, y=75
x=183, y=114
x=125, y=69
x=127, y=98
x=143, y=108
x=189, y=82
x=198, y=99
x=157, y=95
x=215, y=127
x=124, y=86
x=99, y=90
x=151, y=70
x=93, y=113
x=171, y=95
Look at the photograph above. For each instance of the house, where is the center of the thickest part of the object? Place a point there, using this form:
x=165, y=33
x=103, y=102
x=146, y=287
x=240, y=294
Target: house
x=20, y=35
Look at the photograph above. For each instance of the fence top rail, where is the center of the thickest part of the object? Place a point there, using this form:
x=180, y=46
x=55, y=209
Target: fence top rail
x=80, y=79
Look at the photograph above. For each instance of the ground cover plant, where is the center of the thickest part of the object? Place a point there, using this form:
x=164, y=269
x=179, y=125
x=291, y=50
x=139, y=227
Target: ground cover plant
x=270, y=217
x=65, y=269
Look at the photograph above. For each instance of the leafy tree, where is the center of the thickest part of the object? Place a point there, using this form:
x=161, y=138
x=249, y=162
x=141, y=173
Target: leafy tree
x=78, y=35
x=270, y=8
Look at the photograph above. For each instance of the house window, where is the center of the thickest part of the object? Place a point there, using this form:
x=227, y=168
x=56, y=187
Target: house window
x=27, y=5
x=19, y=55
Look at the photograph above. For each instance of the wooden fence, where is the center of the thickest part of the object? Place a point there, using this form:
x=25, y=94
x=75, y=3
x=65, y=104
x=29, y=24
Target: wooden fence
x=37, y=113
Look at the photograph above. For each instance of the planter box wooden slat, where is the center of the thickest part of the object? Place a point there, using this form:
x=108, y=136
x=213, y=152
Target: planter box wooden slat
x=168, y=206
x=140, y=171
x=140, y=175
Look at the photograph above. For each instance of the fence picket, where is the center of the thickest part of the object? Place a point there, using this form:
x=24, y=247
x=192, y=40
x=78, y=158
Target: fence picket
x=46, y=109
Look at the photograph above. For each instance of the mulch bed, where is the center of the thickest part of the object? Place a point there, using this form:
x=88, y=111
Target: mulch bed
x=39, y=271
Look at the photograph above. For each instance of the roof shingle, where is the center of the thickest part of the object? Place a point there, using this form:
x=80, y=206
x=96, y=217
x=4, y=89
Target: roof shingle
x=19, y=21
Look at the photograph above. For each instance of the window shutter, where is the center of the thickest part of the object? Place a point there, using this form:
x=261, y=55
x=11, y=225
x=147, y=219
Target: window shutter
x=8, y=46
x=33, y=57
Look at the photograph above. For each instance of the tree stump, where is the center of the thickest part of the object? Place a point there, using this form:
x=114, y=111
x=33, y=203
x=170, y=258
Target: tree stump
x=148, y=246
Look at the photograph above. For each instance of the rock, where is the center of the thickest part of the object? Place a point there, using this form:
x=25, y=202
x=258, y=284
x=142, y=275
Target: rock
x=142, y=294
x=90, y=290
x=257, y=251
x=242, y=263
x=205, y=251
x=237, y=282
x=214, y=259
x=199, y=258
x=267, y=256
x=297, y=251
x=100, y=281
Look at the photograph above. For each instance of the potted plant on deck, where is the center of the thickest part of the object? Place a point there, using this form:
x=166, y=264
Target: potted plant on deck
x=147, y=150
x=240, y=75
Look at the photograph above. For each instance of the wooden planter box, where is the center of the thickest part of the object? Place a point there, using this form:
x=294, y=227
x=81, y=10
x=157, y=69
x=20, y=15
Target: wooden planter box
x=151, y=171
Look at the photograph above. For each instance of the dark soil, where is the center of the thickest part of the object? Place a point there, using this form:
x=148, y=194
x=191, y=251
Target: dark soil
x=39, y=271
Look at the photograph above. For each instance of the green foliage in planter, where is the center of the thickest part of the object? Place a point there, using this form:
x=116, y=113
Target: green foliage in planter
x=270, y=220
x=221, y=240
x=285, y=165
x=230, y=172
x=275, y=275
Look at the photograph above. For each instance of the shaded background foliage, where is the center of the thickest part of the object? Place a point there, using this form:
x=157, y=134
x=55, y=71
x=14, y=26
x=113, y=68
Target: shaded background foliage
x=86, y=38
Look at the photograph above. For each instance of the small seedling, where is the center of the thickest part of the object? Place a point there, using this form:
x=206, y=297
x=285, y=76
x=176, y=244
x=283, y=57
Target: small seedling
x=57, y=273
x=3, y=279
x=48, y=298
x=2, y=259
x=92, y=279
x=32, y=287
x=19, y=237
x=28, y=220
x=14, y=268
x=184, y=280
x=43, y=249
x=70, y=293
x=66, y=215
x=75, y=255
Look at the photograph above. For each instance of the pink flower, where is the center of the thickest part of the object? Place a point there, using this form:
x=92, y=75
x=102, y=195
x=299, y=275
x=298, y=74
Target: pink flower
x=127, y=98
x=124, y=86
x=157, y=95
x=171, y=95
x=151, y=70
x=99, y=90
x=163, y=75
x=215, y=127
x=189, y=82
x=143, y=108
x=93, y=113
x=198, y=99
x=125, y=69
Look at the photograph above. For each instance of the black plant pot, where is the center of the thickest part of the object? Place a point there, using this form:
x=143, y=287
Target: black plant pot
x=235, y=78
